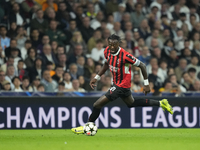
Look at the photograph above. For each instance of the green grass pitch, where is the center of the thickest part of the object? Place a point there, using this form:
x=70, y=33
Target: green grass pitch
x=105, y=139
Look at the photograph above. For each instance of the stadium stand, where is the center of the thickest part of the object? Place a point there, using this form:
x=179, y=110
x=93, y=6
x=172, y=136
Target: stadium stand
x=57, y=45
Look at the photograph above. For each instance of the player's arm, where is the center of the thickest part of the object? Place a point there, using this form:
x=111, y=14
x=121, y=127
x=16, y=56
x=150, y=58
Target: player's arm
x=98, y=76
x=142, y=66
x=134, y=61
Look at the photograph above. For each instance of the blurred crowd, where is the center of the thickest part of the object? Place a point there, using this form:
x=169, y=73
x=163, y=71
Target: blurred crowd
x=58, y=45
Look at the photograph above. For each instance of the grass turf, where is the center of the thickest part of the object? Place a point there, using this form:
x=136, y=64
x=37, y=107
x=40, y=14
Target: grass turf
x=105, y=139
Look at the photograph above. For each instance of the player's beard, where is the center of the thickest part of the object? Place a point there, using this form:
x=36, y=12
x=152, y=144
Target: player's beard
x=114, y=52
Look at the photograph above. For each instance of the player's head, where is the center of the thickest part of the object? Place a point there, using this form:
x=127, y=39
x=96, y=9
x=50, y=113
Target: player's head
x=113, y=43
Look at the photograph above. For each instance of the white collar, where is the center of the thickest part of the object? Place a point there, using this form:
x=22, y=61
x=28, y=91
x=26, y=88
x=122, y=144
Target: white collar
x=117, y=52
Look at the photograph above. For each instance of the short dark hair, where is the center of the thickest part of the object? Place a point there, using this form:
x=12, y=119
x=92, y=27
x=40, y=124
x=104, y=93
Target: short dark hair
x=3, y=26
x=192, y=6
x=40, y=85
x=20, y=61
x=66, y=72
x=166, y=29
x=29, y=50
x=18, y=27
x=49, y=63
x=173, y=21
x=154, y=7
x=184, y=73
x=62, y=46
x=25, y=78
x=11, y=57
x=182, y=15
x=1, y=71
x=171, y=76
x=59, y=55
x=58, y=66
x=169, y=40
x=169, y=69
x=34, y=30
x=15, y=78
x=192, y=15
x=192, y=70
x=53, y=41
x=28, y=41
x=99, y=41
x=44, y=71
x=14, y=49
x=138, y=3
x=45, y=35
x=110, y=14
x=104, y=21
x=72, y=20
x=79, y=7
x=61, y=83
x=13, y=39
x=163, y=16
x=163, y=61
x=114, y=37
x=186, y=40
x=38, y=58
x=52, y=20
x=167, y=82
x=194, y=55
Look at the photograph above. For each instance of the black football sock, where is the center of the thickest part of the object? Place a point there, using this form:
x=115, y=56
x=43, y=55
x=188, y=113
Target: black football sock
x=94, y=115
x=145, y=102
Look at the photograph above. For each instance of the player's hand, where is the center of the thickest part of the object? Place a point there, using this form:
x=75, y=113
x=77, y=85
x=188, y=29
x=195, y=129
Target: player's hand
x=146, y=89
x=92, y=83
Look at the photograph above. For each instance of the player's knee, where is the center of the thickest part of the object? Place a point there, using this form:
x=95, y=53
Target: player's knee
x=97, y=105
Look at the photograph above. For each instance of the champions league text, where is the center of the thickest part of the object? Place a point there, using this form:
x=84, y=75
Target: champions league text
x=110, y=117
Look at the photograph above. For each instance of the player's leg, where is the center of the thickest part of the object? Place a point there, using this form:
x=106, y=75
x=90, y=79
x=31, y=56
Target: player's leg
x=131, y=102
x=111, y=95
x=95, y=113
x=102, y=101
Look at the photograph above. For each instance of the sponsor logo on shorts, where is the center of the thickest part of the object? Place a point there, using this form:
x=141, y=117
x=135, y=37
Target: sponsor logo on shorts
x=112, y=89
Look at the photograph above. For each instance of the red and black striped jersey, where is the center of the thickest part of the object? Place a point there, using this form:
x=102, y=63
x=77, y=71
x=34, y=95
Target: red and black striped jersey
x=120, y=66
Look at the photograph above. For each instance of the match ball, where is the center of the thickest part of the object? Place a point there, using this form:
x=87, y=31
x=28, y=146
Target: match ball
x=90, y=129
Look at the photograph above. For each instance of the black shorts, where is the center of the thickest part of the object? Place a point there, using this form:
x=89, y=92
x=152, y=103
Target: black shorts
x=115, y=92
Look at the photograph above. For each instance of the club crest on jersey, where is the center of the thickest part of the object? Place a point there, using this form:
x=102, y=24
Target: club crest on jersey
x=131, y=57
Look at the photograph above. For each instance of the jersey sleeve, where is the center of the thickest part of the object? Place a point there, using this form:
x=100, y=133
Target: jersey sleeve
x=132, y=60
x=105, y=54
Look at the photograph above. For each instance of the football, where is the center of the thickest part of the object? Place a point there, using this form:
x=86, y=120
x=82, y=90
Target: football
x=90, y=129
